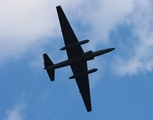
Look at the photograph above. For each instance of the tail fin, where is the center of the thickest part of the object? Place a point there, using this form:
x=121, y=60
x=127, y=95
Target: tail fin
x=47, y=63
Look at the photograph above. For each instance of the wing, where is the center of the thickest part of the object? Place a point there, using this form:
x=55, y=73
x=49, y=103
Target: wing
x=82, y=82
x=68, y=35
x=79, y=67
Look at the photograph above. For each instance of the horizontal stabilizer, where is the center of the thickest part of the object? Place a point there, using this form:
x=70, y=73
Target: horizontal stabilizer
x=76, y=44
x=48, y=63
x=85, y=73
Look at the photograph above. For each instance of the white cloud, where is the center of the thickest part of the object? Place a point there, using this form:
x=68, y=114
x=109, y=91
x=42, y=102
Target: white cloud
x=23, y=23
x=140, y=56
x=108, y=15
x=17, y=112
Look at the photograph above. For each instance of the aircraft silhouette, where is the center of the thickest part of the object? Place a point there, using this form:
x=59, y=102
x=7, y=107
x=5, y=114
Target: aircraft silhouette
x=77, y=59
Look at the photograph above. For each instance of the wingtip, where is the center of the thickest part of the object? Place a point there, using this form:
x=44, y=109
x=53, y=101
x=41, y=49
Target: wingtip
x=59, y=6
x=89, y=110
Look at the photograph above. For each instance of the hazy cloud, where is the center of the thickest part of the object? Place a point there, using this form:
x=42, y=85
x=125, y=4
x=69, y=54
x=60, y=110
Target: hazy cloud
x=23, y=23
x=17, y=112
x=139, y=56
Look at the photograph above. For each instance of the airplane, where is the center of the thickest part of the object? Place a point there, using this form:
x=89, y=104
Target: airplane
x=77, y=59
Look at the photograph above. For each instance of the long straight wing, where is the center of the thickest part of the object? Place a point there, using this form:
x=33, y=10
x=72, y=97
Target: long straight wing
x=68, y=35
x=75, y=51
x=83, y=82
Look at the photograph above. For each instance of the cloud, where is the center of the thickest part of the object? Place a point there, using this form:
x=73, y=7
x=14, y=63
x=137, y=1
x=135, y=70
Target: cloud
x=139, y=56
x=24, y=24
x=17, y=112
x=108, y=16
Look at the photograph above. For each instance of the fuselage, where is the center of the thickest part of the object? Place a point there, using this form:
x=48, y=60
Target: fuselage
x=84, y=57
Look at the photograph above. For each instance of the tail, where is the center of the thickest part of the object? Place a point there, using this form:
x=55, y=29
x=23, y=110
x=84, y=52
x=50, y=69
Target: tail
x=48, y=63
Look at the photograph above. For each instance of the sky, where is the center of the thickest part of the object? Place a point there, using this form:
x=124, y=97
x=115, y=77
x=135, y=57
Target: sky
x=121, y=89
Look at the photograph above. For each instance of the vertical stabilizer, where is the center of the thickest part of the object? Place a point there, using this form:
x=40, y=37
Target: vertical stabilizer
x=48, y=63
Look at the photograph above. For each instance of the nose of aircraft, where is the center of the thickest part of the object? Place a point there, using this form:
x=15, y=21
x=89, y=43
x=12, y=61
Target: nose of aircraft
x=111, y=49
x=108, y=50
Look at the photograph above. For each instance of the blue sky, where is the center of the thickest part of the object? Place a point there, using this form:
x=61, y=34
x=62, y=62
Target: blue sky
x=121, y=89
